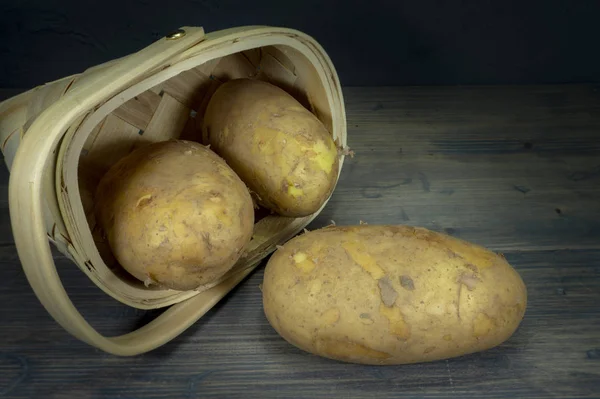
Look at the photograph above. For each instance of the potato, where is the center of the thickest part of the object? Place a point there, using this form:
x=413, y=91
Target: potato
x=175, y=214
x=281, y=150
x=390, y=295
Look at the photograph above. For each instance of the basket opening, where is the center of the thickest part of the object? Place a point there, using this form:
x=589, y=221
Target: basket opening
x=175, y=108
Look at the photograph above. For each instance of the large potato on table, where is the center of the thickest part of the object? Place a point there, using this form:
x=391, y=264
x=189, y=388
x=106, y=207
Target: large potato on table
x=390, y=295
x=281, y=150
x=175, y=214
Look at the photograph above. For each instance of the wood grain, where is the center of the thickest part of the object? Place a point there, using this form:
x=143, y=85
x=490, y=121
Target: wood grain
x=514, y=168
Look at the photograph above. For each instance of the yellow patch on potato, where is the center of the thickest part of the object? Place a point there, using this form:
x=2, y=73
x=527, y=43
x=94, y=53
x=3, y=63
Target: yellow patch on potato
x=303, y=263
x=294, y=191
x=482, y=325
x=359, y=254
x=300, y=257
x=397, y=325
x=391, y=295
x=330, y=316
x=322, y=155
x=347, y=350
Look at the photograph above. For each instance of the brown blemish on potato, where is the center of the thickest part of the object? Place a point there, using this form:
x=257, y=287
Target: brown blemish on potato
x=397, y=325
x=407, y=283
x=359, y=254
x=347, y=350
x=428, y=350
x=206, y=239
x=469, y=280
x=330, y=316
x=386, y=291
x=365, y=318
x=447, y=337
x=458, y=300
x=482, y=325
x=451, y=254
x=472, y=267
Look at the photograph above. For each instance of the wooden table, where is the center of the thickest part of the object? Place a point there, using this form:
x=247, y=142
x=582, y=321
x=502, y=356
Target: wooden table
x=516, y=169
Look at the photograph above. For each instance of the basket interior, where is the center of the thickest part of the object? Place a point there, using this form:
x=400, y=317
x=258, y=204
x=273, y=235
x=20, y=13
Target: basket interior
x=174, y=109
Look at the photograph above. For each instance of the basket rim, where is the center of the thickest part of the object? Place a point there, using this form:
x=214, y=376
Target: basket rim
x=26, y=201
x=195, y=56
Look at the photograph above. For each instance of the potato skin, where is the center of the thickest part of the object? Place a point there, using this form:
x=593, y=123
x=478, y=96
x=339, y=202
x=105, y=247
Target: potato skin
x=281, y=150
x=175, y=214
x=390, y=295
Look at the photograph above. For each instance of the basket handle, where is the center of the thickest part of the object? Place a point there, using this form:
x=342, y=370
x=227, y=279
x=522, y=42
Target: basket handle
x=26, y=212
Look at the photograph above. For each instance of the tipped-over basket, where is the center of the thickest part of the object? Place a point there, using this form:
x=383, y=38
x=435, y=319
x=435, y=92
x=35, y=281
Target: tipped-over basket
x=60, y=138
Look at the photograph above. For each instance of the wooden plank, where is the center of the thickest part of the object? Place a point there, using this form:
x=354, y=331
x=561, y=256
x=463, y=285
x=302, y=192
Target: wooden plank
x=139, y=110
x=253, y=56
x=553, y=354
x=167, y=122
x=451, y=159
x=275, y=71
x=189, y=87
x=505, y=202
x=277, y=68
x=234, y=66
x=543, y=120
x=208, y=67
x=425, y=156
x=109, y=142
x=201, y=110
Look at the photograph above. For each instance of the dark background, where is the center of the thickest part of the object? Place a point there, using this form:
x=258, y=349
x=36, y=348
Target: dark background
x=372, y=43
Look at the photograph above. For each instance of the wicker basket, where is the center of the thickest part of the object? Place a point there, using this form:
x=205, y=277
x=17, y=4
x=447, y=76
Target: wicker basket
x=58, y=140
